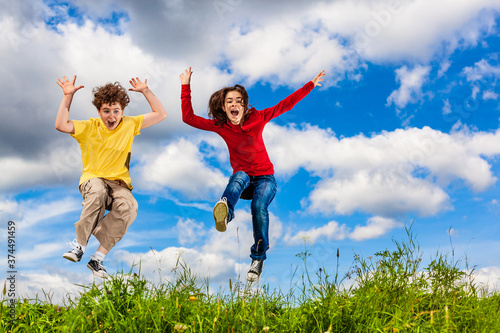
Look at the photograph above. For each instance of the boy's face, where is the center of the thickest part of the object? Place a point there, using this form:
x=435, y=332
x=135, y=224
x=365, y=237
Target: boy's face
x=111, y=115
x=233, y=106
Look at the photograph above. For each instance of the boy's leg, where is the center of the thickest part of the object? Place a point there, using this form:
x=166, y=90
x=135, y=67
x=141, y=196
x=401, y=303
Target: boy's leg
x=123, y=212
x=224, y=209
x=95, y=198
x=265, y=190
x=95, y=263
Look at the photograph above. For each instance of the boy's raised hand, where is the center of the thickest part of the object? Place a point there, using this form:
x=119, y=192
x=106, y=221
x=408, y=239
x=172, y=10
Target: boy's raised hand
x=318, y=78
x=138, y=85
x=67, y=86
x=186, y=76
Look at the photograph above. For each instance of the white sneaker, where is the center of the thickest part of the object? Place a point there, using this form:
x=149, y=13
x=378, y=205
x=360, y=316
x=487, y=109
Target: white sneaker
x=221, y=210
x=255, y=270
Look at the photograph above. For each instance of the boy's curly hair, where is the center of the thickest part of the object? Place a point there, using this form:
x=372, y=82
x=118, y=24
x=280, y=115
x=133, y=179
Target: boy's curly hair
x=110, y=93
x=216, y=103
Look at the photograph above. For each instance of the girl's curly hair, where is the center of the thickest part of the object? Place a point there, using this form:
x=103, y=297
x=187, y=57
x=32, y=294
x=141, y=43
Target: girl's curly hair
x=110, y=93
x=216, y=102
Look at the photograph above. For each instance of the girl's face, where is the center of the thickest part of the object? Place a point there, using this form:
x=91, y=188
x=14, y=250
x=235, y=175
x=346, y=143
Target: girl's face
x=111, y=115
x=233, y=106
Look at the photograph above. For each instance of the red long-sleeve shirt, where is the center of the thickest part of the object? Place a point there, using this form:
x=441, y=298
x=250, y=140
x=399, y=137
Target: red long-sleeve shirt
x=247, y=151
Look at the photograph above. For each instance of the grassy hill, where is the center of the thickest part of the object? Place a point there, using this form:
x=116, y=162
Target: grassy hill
x=391, y=293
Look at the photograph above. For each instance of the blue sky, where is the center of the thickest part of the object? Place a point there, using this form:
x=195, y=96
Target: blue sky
x=405, y=130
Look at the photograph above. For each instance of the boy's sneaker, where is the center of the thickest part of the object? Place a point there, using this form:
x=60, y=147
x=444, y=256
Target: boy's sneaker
x=76, y=253
x=221, y=210
x=255, y=270
x=97, y=268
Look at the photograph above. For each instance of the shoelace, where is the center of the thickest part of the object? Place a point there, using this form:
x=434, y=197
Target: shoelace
x=74, y=244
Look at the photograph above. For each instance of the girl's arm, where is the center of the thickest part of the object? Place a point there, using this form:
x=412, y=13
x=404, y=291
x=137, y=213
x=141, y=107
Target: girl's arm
x=318, y=78
x=63, y=123
x=188, y=115
x=288, y=103
x=157, y=113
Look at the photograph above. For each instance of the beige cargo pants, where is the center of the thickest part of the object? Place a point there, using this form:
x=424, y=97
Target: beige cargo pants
x=98, y=195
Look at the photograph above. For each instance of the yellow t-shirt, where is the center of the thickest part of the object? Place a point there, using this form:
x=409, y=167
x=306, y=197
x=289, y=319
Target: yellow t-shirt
x=106, y=153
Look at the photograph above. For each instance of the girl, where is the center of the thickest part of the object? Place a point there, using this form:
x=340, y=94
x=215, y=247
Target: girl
x=241, y=128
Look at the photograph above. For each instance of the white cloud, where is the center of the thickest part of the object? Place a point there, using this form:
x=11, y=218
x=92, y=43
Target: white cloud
x=293, y=46
x=55, y=286
x=382, y=193
x=480, y=70
x=217, y=255
x=39, y=251
x=488, y=94
x=482, y=77
x=180, y=166
x=306, y=51
x=389, y=173
x=446, y=107
x=9, y=209
x=488, y=277
x=331, y=231
x=165, y=262
x=189, y=231
x=411, y=81
x=375, y=227
x=444, y=66
x=395, y=30
x=36, y=211
x=238, y=239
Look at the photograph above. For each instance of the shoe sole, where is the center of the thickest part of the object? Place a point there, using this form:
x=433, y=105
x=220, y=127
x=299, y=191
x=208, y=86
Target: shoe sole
x=71, y=257
x=252, y=277
x=102, y=275
x=220, y=215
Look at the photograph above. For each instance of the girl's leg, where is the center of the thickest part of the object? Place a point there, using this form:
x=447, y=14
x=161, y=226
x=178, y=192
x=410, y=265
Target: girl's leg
x=265, y=190
x=238, y=182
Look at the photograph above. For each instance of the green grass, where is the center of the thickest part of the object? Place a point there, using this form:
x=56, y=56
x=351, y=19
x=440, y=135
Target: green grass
x=391, y=292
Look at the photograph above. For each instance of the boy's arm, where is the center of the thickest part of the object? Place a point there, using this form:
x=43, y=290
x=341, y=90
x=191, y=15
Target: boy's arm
x=63, y=123
x=157, y=113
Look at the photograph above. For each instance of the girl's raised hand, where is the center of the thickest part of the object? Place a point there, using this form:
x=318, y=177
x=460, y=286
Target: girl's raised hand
x=186, y=76
x=138, y=85
x=318, y=78
x=67, y=86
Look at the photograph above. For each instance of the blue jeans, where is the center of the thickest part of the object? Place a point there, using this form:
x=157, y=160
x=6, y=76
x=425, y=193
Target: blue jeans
x=261, y=190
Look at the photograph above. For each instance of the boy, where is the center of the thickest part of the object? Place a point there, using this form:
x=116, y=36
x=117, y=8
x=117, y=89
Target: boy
x=106, y=145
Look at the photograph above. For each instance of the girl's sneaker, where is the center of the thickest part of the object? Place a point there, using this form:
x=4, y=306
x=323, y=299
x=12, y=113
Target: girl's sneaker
x=255, y=270
x=221, y=210
x=97, y=268
x=76, y=253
